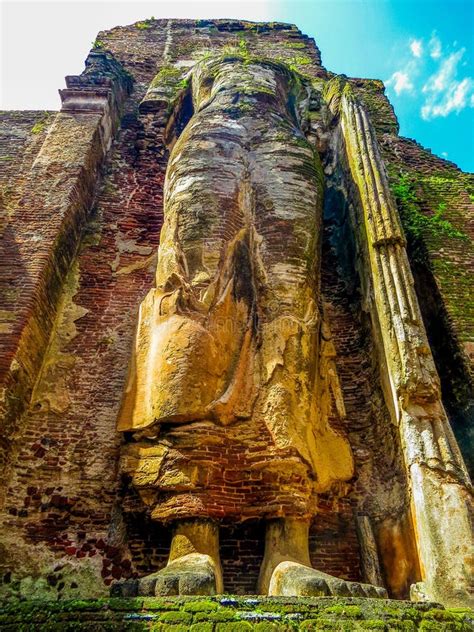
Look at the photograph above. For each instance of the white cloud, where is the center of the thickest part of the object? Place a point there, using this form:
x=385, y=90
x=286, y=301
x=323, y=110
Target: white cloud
x=401, y=82
x=455, y=99
x=416, y=47
x=435, y=47
x=446, y=73
x=444, y=92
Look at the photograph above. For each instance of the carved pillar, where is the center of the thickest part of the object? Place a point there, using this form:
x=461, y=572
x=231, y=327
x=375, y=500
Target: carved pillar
x=368, y=552
x=439, y=483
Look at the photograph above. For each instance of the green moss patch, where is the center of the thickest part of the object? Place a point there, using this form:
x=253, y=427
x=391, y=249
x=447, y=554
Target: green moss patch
x=345, y=611
x=232, y=613
x=145, y=24
x=416, y=223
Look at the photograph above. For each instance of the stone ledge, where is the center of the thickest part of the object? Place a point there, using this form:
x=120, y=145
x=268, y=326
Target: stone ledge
x=233, y=613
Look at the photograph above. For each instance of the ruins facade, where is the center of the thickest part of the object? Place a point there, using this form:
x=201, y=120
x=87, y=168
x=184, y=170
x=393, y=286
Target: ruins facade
x=236, y=328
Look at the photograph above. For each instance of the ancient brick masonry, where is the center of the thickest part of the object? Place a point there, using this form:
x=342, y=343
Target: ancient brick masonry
x=52, y=209
x=82, y=208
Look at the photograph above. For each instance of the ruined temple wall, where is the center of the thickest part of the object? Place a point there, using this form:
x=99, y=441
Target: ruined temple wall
x=437, y=190
x=436, y=202
x=22, y=135
x=442, y=193
x=62, y=494
x=65, y=494
x=64, y=488
x=46, y=215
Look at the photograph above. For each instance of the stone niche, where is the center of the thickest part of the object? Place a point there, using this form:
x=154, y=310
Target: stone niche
x=228, y=362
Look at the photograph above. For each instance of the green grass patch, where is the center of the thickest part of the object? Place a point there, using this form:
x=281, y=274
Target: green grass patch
x=145, y=24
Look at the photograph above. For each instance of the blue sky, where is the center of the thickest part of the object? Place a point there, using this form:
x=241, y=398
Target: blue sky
x=422, y=49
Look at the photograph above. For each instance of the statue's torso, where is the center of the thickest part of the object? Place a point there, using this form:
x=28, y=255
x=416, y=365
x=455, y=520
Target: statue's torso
x=227, y=347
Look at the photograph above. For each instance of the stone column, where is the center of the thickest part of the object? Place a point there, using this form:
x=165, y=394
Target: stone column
x=368, y=552
x=440, y=489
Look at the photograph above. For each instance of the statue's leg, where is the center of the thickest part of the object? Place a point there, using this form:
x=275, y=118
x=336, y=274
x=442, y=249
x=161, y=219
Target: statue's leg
x=194, y=566
x=285, y=540
x=202, y=206
x=286, y=567
x=288, y=217
x=183, y=354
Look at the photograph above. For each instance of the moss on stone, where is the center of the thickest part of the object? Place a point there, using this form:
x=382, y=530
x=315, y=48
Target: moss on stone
x=39, y=126
x=436, y=626
x=167, y=76
x=352, y=612
x=408, y=613
x=201, y=627
x=176, y=617
x=160, y=603
x=300, y=60
x=208, y=614
x=169, y=627
x=269, y=626
x=223, y=614
x=438, y=614
x=295, y=45
x=125, y=605
x=200, y=606
x=417, y=224
x=233, y=627
x=144, y=24
x=406, y=626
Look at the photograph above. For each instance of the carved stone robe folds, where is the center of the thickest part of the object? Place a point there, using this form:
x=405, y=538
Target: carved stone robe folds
x=225, y=396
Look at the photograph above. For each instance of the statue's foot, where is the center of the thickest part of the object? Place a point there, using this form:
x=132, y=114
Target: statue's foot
x=290, y=579
x=192, y=574
x=127, y=588
x=418, y=592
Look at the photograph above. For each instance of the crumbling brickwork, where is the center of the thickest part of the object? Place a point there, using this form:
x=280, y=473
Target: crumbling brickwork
x=81, y=209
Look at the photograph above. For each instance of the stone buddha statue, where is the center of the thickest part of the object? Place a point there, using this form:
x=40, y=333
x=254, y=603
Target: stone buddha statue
x=226, y=405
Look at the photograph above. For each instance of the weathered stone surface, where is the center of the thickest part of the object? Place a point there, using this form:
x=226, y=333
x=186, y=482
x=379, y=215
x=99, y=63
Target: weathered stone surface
x=191, y=574
x=369, y=554
x=290, y=579
x=231, y=331
x=436, y=471
x=77, y=291
x=237, y=613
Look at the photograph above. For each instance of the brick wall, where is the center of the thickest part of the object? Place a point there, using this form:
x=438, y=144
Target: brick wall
x=70, y=525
